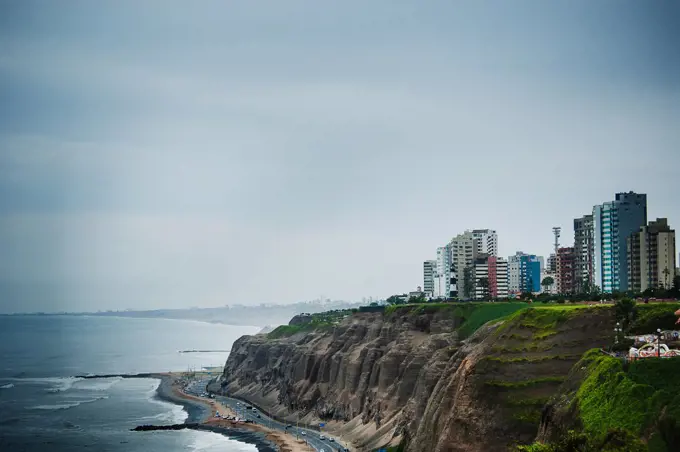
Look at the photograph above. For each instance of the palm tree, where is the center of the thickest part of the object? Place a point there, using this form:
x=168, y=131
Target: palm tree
x=547, y=282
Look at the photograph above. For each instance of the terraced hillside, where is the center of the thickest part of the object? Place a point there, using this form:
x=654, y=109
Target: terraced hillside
x=449, y=377
x=491, y=395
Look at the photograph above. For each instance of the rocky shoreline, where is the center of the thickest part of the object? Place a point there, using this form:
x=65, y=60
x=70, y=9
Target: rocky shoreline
x=199, y=413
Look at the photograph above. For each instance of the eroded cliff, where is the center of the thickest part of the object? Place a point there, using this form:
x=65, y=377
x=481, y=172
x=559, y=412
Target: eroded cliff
x=413, y=376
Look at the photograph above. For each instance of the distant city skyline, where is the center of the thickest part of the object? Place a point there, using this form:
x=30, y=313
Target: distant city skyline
x=159, y=155
x=614, y=249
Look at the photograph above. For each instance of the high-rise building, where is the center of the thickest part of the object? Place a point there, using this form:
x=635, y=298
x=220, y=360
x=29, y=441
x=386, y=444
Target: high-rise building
x=463, y=252
x=583, y=250
x=429, y=272
x=481, y=272
x=530, y=273
x=524, y=273
x=498, y=277
x=566, y=266
x=651, y=256
x=552, y=263
x=613, y=223
x=487, y=241
x=493, y=270
x=552, y=288
x=513, y=273
x=443, y=271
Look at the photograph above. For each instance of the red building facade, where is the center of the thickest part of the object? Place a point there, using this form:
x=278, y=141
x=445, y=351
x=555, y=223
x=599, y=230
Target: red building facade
x=566, y=270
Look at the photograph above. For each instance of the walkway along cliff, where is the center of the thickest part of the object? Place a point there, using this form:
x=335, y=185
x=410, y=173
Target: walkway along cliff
x=433, y=377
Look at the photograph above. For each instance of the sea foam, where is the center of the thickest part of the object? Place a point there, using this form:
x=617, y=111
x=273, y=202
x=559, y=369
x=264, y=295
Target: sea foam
x=99, y=384
x=66, y=405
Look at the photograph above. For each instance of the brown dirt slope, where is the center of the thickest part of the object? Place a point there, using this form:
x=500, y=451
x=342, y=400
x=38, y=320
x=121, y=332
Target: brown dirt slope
x=379, y=379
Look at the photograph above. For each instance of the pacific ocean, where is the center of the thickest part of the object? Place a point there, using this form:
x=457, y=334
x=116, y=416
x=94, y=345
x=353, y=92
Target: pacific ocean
x=43, y=407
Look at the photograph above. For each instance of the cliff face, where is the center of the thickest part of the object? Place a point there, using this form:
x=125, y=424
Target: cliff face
x=406, y=376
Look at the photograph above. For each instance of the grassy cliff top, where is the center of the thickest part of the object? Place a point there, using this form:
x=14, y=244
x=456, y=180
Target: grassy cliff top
x=472, y=315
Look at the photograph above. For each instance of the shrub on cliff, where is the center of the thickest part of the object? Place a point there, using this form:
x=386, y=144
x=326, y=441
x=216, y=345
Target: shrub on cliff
x=635, y=400
x=626, y=312
x=654, y=315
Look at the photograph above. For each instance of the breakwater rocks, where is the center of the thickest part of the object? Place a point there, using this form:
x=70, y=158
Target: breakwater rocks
x=257, y=439
x=148, y=428
x=140, y=375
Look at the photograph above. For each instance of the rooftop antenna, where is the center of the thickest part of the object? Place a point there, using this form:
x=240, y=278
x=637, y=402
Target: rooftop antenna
x=556, y=233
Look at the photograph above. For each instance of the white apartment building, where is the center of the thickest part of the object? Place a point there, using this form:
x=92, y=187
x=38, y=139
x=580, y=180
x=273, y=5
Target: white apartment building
x=495, y=270
x=545, y=272
x=481, y=271
x=443, y=280
x=501, y=279
x=514, y=272
x=463, y=252
x=429, y=273
x=487, y=241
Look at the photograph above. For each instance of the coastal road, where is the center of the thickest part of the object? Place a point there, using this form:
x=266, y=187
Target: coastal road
x=312, y=437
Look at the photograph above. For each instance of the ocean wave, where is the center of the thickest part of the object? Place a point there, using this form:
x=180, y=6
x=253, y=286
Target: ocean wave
x=100, y=384
x=66, y=405
x=7, y=386
x=62, y=384
x=62, y=406
x=59, y=384
x=175, y=415
x=209, y=441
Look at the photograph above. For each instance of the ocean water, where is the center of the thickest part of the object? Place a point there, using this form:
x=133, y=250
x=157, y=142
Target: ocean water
x=42, y=407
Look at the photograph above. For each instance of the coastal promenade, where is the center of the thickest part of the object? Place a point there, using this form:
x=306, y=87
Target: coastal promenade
x=233, y=406
x=182, y=388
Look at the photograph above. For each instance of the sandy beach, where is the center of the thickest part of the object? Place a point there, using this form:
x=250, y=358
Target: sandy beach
x=202, y=411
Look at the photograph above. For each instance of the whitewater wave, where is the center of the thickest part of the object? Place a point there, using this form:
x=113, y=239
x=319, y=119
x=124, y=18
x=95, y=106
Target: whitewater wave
x=151, y=393
x=100, y=384
x=210, y=441
x=7, y=386
x=66, y=405
x=61, y=384
x=58, y=384
x=175, y=415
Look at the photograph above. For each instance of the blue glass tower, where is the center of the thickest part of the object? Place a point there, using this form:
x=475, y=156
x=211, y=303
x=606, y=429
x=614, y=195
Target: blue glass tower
x=530, y=273
x=613, y=223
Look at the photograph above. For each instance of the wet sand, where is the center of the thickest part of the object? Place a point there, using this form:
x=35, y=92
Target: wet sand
x=202, y=411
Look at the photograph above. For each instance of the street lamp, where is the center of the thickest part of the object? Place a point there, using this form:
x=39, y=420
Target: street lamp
x=617, y=330
x=658, y=342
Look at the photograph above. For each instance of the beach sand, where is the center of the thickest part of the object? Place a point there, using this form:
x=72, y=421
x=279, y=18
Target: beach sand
x=202, y=410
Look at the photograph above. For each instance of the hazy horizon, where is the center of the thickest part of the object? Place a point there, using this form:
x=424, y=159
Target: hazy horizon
x=159, y=155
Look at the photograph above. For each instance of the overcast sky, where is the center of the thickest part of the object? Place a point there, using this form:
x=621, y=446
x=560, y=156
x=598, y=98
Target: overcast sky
x=175, y=154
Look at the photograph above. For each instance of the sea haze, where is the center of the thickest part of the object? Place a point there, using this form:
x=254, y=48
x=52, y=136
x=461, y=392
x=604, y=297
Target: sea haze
x=42, y=407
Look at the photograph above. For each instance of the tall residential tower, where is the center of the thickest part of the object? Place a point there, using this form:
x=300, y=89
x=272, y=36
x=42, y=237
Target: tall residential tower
x=613, y=223
x=583, y=253
x=429, y=274
x=487, y=241
x=463, y=250
x=651, y=256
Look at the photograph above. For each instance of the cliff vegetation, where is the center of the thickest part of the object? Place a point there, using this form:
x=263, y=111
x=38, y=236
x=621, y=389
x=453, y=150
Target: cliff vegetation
x=464, y=377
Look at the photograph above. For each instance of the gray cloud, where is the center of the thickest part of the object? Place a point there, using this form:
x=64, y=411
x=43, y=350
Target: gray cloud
x=155, y=155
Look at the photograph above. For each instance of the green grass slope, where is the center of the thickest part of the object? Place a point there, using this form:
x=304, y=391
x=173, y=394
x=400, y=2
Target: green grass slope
x=623, y=407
